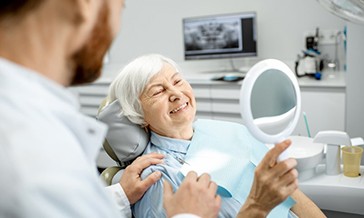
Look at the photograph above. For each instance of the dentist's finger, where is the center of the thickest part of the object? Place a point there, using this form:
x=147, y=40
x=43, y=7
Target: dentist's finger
x=150, y=180
x=213, y=188
x=145, y=161
x=204, y=179
x=191, y=176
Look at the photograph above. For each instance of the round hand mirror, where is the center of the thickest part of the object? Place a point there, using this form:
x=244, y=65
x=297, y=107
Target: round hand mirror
x=270, y=102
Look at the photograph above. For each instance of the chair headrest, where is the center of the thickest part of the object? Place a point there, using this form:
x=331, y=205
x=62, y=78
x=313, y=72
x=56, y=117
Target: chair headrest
x=127, y=140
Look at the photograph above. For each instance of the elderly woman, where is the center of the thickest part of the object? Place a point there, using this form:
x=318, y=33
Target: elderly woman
x=153, y=94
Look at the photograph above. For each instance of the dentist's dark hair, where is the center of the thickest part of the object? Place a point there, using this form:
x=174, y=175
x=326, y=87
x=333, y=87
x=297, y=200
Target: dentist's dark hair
x=17, y=8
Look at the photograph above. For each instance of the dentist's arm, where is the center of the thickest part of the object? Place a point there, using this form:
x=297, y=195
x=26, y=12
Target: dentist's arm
x=273, y=183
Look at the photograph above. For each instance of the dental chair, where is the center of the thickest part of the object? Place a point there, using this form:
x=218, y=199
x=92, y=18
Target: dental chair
x=124, y=140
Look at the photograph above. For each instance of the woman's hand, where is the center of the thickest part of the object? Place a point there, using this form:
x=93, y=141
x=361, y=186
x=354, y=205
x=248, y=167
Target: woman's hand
x=273, y=183
x=196, y=195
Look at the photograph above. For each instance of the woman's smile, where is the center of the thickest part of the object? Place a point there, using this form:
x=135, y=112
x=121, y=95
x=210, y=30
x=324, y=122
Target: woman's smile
x=180, y=108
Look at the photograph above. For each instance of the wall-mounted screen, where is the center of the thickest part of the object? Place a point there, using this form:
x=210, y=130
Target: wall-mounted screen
x=220, y=36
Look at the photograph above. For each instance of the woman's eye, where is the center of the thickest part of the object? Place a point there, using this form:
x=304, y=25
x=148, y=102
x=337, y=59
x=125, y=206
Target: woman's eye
x=177, y=82
x=158, y=92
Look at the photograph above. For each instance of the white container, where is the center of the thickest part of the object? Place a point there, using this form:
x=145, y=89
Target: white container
x=308, y=155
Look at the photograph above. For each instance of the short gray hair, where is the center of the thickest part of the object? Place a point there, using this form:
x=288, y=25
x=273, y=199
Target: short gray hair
x=131, y=82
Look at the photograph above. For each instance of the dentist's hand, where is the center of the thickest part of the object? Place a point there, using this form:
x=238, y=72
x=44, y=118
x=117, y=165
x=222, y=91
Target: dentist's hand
x=134, y=187
x=196, y=195
x=273, y=183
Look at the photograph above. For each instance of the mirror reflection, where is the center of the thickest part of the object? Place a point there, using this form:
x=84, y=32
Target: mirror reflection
x=273, y=101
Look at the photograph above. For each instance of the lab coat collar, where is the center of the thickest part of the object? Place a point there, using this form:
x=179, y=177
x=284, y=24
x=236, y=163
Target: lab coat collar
x=90, y=133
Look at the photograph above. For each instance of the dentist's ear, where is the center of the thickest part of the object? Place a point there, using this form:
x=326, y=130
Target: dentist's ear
x=81, y=15
x=86, y=10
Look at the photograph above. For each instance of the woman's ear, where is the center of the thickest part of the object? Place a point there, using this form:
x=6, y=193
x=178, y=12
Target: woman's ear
x=145, y=125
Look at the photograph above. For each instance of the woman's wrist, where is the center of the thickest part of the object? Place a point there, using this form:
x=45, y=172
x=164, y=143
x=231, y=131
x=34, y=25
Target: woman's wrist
x=252, y=209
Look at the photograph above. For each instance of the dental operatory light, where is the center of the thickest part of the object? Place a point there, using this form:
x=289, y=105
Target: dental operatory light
x=350, y=10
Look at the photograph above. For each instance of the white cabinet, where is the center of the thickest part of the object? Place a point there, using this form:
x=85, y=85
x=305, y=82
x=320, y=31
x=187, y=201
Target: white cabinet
x=217, y=100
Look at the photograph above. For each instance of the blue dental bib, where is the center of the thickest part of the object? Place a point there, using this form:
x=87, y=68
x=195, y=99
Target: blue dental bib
x=229, y=153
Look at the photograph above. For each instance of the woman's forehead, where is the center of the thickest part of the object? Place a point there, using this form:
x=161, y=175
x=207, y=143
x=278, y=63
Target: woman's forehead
x=167, y=72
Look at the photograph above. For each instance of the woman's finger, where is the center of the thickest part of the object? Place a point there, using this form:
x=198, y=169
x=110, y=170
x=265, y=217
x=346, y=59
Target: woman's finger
x=270, y=158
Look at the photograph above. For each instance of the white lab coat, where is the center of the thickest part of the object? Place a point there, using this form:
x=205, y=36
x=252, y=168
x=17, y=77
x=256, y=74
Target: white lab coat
x=48, y=151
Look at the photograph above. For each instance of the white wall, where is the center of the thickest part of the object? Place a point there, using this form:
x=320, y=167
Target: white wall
x=355, y=81
x=156, y=27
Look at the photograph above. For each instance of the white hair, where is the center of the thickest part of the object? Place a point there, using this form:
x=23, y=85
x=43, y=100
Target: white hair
x=131, y=82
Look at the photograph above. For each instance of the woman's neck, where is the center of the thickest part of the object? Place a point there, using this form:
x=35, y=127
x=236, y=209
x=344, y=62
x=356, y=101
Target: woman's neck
x=177, y=133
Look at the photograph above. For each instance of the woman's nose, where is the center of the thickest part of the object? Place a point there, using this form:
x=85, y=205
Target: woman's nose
x=175, y=94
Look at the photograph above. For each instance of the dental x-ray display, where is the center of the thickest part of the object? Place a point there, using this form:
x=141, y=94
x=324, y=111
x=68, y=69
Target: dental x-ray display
x=220, y=36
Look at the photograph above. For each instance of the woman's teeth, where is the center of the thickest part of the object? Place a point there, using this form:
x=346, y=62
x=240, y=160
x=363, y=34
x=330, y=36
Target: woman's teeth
x=179, y=108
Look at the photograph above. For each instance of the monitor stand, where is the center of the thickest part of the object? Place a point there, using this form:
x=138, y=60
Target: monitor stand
x=231, y=74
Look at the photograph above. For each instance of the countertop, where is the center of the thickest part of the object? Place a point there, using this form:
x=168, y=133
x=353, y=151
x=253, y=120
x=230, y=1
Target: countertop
x=335, y=192
x=330, y=79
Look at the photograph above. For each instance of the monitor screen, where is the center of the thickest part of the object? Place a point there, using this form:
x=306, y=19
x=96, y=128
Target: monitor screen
x=220, y=36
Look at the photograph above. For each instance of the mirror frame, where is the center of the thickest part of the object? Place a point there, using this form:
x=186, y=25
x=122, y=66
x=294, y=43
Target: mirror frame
x=245, y=100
